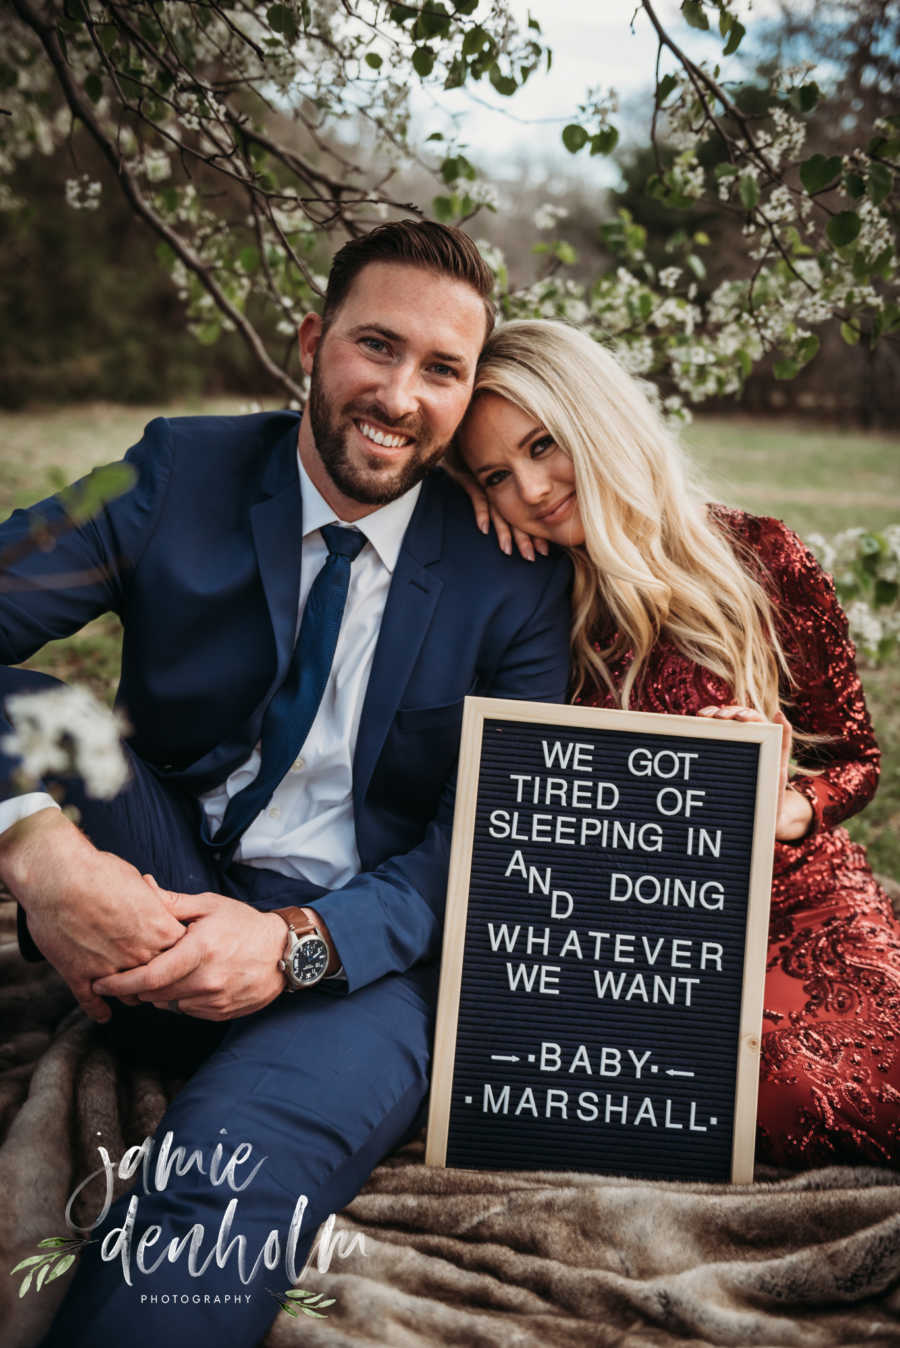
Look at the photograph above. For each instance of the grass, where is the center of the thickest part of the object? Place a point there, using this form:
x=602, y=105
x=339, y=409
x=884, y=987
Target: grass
x=815, y=478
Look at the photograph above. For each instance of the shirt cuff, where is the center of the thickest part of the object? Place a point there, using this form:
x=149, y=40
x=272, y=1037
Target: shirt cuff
x=20, y=807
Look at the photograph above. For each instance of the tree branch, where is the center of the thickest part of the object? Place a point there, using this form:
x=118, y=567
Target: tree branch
x=82, y=109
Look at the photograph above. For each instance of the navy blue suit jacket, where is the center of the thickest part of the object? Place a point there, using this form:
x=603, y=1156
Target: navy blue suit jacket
x=201, y=560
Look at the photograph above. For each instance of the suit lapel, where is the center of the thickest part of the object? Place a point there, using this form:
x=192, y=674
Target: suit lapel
x=407, y=616
x=277, y=533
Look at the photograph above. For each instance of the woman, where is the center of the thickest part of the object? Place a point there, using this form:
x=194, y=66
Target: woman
x=692, y=609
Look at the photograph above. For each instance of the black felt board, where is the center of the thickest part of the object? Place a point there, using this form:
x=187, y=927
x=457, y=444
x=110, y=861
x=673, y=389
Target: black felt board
x=603, y=961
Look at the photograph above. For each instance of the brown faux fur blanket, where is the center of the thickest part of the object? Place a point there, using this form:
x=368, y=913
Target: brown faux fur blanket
x=465, y=1258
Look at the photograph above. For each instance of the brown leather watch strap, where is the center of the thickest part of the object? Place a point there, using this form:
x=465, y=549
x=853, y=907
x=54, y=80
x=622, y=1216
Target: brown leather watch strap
x=296, y=918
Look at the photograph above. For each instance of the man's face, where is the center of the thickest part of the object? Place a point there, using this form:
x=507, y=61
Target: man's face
x=391, y=379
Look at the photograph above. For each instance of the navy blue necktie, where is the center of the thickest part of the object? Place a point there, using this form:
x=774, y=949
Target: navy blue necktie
x=290, y=714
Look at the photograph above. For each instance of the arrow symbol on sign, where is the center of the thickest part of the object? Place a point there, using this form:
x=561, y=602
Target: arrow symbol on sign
x=504, y=1057
x=674, y=1072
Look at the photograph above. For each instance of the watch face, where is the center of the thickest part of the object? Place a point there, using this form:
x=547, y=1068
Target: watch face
x=309, y=960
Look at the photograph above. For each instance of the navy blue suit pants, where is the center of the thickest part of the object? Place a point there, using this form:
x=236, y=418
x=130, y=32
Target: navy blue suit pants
x=321, y=1087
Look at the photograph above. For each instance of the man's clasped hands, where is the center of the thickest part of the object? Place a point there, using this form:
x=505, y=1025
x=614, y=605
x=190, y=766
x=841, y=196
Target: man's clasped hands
x=112, y=932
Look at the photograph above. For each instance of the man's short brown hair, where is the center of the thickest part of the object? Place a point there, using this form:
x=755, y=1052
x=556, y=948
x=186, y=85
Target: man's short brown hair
x=413, y=243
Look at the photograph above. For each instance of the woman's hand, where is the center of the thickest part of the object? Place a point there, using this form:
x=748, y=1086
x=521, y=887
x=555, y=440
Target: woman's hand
x=794, y=810
x=486, y=515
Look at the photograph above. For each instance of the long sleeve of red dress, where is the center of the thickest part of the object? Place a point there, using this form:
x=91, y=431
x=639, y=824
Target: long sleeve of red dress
x=830, y=1071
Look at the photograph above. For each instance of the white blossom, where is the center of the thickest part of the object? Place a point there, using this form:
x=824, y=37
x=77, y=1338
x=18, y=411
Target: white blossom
x=548, y=215
x=866, y=628
x=83, y=193
x=485, y=194
x=157, y=166
x=67, y=730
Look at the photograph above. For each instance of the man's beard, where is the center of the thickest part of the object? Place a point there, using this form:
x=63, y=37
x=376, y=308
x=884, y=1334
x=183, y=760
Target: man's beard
x=369, y=483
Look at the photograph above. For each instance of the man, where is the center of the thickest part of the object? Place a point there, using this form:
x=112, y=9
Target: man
x=289, y=817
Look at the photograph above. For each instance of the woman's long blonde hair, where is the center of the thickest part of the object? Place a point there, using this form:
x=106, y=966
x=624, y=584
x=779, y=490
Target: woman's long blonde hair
x=654, y=562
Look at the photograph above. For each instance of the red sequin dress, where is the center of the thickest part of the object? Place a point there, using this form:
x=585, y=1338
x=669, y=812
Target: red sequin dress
x=830, y=1073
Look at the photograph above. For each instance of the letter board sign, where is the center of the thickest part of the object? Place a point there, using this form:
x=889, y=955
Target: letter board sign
x=605, y=943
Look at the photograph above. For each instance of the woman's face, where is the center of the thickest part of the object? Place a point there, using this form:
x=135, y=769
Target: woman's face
x=525, y=474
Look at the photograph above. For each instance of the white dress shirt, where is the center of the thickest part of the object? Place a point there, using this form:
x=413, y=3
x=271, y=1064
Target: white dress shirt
x=308, y=829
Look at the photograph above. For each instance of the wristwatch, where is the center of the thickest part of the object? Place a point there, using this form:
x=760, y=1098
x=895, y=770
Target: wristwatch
x=306, y=953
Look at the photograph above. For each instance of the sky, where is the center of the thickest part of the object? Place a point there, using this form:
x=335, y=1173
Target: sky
x=594, y=44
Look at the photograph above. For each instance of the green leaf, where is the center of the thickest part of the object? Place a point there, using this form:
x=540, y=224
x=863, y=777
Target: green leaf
x=443, y=208
x=86, y=498
x=373, y=60
x=665, y=87
x=93, y=87
x=504, y=84
x=32, y=1259
x=843, y=228
x=291, y=1310
x=645, y=304
x=785, y=368
x=880, y=183
x=249, y=259
x=313, y=1315
x=435, y=135
x=26, y=1283
x=605, y=141
x=574, y=137
x=696, y=265
x=746, y=362
x=470, y=6
x=736, y=35
x=807, y=349
x=854, y=185
x=725, y=171
x=278, y=17
x=62, y=1267
x=450, y=169
x=850, y=334
x=695, y=14
x=701, y=238
x=433, y=20
x=749, y=191
x=890, y=317
x=819, y=171
x=805, y=97
x=885, y=149
x=566, y=253
x=53, y=1242
x=476, y=41
x=207, y=334
x=403, y=13
x=423, y=61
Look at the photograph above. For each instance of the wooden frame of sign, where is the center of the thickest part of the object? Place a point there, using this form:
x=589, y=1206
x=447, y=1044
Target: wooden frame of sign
x=605, y=943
